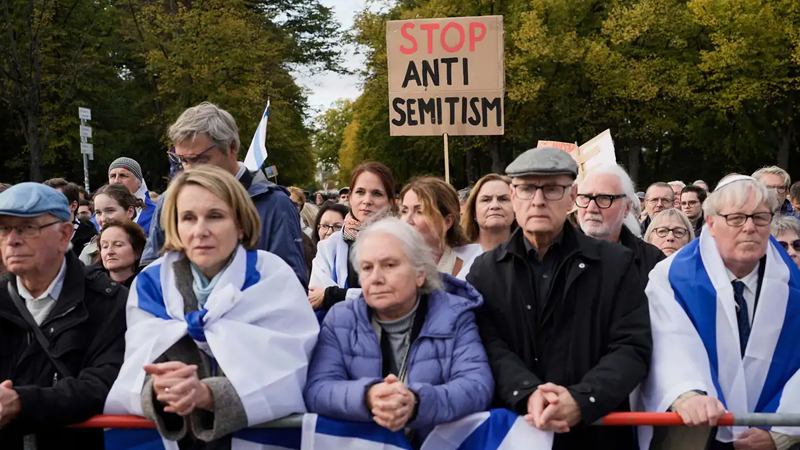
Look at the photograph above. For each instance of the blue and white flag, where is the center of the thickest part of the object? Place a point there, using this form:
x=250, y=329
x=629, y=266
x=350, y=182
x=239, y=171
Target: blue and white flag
x=256, y=324
x=322, y=433
x=498, y=429
x=257, y=153
x=249, y=439
x=696, y=337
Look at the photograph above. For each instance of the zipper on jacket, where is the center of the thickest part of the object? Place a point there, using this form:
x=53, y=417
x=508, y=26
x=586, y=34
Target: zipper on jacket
x=52, y=319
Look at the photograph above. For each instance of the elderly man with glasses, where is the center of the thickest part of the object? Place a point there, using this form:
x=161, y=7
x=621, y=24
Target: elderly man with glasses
x=207, y=134
x=659, y=197
x=62, y=330
x=778, y=181
x=725, y=312
x=564, y=321
x=605, y=203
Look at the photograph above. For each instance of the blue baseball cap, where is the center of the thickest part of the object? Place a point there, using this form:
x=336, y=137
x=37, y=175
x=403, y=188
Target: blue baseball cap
x=33, y=199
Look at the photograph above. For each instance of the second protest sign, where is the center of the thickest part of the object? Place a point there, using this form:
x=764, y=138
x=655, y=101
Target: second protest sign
x=446, y=76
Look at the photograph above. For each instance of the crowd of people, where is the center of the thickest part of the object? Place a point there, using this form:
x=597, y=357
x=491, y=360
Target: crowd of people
x=562, y=296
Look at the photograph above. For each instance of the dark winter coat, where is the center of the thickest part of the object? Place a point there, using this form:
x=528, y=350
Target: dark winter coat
x=592, y=336
x=86, y=330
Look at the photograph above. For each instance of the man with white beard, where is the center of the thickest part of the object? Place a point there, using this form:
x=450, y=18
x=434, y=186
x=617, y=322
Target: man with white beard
x=605, y=200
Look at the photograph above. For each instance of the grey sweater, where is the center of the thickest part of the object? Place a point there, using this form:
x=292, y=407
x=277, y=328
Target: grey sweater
x=212, y=428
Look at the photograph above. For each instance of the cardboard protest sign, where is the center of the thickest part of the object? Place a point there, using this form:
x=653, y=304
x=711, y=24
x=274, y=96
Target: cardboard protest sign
x=598, y=151
x=446, y=76
x=566, y=146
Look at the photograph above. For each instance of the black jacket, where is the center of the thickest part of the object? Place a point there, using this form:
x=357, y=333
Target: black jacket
x=592, y=337
x=83, y=234
x=645, y=256
x=86, y=330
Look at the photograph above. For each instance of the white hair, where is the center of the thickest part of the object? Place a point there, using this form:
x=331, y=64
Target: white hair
x=413, y=245
x=631, y=220
x=774, y=170
x=736, y=193
x=678, y=183
x=665, y=216
x=781, y=224
x=209, y=119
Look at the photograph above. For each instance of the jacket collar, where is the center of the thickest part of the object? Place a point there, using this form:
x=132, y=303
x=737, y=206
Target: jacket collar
x=573, y=241
x=74, y=287
x=442, y=314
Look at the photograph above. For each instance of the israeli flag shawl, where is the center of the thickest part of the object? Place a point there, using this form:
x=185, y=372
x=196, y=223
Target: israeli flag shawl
x=330, y=265
x=696, y=337
x=257, y=324
x=498, y=429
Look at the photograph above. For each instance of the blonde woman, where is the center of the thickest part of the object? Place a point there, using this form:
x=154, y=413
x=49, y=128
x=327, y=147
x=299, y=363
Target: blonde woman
x=192, y=312
x=431, y=206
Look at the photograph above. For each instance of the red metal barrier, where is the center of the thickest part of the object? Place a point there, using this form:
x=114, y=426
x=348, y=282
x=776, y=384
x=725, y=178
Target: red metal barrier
x=613, y=419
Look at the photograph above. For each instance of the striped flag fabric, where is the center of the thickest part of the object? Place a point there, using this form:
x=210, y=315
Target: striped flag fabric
x=498, y=429
x=257, y=153
x=249, y=439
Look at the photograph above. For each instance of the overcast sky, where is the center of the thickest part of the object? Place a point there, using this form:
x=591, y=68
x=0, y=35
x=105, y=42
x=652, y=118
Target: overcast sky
x=327, y=88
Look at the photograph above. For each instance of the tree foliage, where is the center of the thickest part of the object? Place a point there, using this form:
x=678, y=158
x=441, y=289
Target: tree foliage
x=690, y=89
x=139, y=63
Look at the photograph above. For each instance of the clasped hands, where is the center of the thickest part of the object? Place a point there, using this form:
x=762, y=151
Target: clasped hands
x=705, y=411
x=9, y=403
x=391, y=403
x=176, y=385
x=552, y=408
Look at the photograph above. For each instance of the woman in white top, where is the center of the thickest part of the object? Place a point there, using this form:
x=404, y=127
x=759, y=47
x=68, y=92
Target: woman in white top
x=332, y=276
x=431, y=206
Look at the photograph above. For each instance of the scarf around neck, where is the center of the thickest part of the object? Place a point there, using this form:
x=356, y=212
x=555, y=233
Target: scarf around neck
x=351, y=227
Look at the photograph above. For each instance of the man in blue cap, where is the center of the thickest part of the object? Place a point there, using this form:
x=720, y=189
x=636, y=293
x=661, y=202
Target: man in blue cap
x=62, y=332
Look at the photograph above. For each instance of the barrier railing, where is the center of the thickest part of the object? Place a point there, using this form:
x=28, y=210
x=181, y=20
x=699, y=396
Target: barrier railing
x=613, y=419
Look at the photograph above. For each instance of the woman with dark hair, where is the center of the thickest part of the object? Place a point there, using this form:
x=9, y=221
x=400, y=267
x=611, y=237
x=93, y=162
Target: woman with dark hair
x=330, y=219
x=121, y=245
x=111, y=202
x=371, y=190
x=488, y=217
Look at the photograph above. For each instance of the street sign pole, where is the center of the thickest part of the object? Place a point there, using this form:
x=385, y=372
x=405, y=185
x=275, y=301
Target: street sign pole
x=87, y=149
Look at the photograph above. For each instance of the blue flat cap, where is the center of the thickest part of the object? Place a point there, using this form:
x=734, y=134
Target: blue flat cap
x=543, y=161
x=33, y=199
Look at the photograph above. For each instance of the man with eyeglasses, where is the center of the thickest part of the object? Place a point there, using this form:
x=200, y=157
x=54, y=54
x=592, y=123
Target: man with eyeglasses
x=605, y=200
x=778, y=181
x=725, y=312
x=207, y=134
x=564, y=320
x=692, y=198
x=658, y=197
x=62, y=330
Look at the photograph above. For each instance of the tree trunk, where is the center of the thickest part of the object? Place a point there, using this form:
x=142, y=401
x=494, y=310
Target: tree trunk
x=498, y=165
x=634, y=154
x=785, y=145
x=468, y=167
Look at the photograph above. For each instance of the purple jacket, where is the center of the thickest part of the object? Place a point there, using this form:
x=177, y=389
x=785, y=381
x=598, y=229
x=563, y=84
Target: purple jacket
x=447, y=365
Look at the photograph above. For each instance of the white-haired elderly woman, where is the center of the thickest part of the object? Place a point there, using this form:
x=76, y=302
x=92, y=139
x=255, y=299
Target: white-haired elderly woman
x=670, y=230
x=208, y=320
x=406, y=353
x=786, y=230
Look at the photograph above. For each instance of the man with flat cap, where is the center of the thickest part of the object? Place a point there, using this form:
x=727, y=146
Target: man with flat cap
x=62, y=331
x=565, y=320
